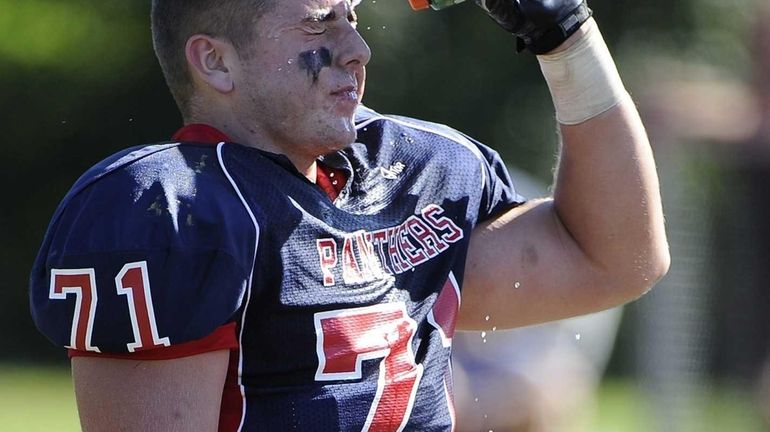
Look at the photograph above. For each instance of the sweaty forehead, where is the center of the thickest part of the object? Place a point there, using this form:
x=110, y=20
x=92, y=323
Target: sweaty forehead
x=289, y=14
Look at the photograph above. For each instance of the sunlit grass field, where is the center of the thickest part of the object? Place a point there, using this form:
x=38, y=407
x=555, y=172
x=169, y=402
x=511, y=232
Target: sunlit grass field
x=623, y=407
x=36, y=399
x=40, y=399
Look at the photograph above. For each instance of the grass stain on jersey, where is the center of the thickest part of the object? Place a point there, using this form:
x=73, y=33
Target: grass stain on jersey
x=174, y=176
x=315, y=60
x=201, y=164
x=157, y=206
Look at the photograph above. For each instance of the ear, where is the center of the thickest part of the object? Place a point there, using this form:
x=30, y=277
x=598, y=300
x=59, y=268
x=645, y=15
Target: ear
x=209, y=59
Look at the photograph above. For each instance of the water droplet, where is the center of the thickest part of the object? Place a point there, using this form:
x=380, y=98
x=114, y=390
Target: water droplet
x=383, y=27
x=483, y=334
x=486, y=416
x=486, y=318
x=517, y=285
x=476, y=400
x=290, y=61
x=485, y=341
x=494, y=328
x=368, y=28
x=578, y=336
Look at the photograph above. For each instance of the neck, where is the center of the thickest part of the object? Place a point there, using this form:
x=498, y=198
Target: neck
x=251, y=137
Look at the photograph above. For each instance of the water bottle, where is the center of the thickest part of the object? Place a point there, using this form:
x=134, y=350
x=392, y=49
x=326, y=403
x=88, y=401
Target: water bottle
x=435, y=4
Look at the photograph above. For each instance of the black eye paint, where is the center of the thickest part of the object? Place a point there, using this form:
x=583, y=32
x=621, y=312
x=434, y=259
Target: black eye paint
x=315, y=60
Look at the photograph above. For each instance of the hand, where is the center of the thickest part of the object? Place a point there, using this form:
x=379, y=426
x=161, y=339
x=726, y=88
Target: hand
x=539, y=25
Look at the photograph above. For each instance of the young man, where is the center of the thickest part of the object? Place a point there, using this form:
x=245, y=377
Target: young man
x=293, y=261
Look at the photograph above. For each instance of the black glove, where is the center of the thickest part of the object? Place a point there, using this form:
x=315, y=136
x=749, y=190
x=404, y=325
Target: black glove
x=539, y=25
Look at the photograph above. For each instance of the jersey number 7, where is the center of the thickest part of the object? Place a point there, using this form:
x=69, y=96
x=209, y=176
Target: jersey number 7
x=347, y=337
x=132, y=281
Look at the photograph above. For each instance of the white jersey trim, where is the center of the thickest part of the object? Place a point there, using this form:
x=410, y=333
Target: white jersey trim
x=220, y=146
x=446, y=341
x=449, y=401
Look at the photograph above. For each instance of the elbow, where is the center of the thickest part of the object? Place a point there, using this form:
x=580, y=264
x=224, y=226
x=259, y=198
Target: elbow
x=650, y=267
x=638, y=275
x=660, y=262
x=656, y=257
x=660, y=257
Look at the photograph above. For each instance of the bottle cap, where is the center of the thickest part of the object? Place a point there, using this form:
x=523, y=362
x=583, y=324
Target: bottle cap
x=419, y=4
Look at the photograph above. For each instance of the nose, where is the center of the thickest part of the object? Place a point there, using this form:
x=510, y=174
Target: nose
x=356, y=53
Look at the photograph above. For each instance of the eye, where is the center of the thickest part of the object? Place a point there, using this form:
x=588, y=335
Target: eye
x=317, y=22
x=316, y=31
x=315, y=28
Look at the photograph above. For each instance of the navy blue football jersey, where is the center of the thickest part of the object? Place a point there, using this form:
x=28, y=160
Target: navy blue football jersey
x=342, y=310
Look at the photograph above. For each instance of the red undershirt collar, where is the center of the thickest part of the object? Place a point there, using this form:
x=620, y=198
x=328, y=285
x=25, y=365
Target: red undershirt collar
x=330, y=180
x=198, y=132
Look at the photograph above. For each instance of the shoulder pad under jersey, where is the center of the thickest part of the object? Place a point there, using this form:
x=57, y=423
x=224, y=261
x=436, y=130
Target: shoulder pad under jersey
x=150, y=248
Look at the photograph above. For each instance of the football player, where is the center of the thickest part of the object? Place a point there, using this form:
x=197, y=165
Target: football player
x=291, y=260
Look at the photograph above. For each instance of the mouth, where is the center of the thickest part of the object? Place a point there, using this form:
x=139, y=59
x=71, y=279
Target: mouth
x=347, y=95
x=350, y=91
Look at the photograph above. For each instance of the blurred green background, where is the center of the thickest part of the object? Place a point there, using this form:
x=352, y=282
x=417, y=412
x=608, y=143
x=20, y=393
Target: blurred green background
x=79, y=80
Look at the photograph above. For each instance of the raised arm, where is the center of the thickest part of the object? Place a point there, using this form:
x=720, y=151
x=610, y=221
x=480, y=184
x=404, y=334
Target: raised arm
x=162, y=395
x=600, y=240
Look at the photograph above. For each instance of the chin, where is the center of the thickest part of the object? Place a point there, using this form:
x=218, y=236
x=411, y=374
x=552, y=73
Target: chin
x=341, y=136
x=341, y=144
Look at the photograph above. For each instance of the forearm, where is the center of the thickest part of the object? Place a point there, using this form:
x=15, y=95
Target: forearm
x=607, y=193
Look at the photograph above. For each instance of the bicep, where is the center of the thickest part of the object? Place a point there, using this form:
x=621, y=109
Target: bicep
x=523, y=268
x=182, y=394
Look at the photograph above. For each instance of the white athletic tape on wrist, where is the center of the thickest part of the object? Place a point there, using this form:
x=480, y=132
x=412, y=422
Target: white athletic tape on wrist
x=583, y=79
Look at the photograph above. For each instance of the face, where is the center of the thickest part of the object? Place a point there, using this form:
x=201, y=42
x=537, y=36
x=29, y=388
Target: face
x=303, y=76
